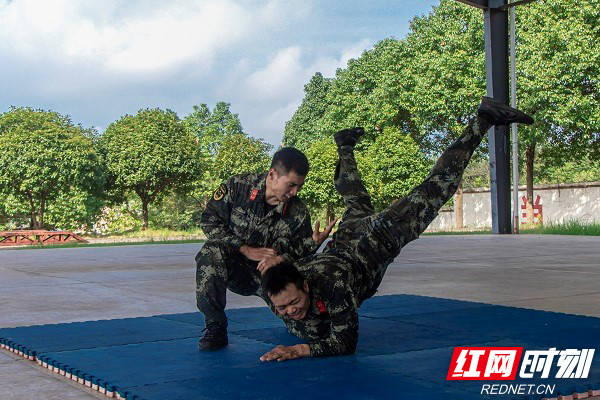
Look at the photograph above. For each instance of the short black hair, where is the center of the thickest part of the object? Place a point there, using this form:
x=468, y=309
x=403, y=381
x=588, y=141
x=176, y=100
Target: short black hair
x=289, y=159
x=276, y=279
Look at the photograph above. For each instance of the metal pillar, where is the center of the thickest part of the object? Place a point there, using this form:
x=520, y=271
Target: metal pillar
x=496, y=60
x=513, y=127
x=496, y=65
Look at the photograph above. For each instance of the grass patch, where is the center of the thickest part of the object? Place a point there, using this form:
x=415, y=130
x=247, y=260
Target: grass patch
x=463, y=232
x=153, y=234
x=565, y=228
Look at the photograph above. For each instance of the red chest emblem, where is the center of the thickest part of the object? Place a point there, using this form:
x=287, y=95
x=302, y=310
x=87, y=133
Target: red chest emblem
x=253, y=194
x=321, y=307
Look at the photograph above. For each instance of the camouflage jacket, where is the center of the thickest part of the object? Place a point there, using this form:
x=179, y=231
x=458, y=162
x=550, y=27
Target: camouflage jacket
x=335, y=291
x=237, y=215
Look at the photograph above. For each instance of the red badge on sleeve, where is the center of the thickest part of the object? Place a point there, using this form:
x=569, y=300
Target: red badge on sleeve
x=253, y=194
x=321, y=307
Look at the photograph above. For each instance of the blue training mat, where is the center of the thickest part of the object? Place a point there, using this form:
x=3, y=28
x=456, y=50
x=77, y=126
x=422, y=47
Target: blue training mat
x=404, y=352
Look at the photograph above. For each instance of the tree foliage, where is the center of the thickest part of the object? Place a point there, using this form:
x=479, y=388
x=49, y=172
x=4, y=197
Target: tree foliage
x=47, y=163
x=318, y=190
x=149, y=154
x=237, y=154
x=389, y=168
x=212, y=127
x=558, y=78
x=366, y=93
x=304, y=127
x=558, y=75
x=221, y=144
x=443, y=72
x=392, y=166
x=240, y=154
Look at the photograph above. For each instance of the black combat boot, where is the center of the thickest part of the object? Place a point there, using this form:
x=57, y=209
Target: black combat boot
x=215, y=337
x=348, y=137
x=498, y=113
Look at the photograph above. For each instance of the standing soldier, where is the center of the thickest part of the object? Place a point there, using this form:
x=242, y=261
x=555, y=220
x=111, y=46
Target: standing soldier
x=252, y=222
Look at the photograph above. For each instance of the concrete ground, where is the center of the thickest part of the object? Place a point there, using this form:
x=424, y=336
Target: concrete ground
x=553, y=273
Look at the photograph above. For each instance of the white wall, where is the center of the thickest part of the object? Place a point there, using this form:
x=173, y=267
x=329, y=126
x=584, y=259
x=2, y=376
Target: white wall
x=560, y=203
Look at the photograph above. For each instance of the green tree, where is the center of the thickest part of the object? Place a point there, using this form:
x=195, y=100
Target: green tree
x=44, y=158
x=318, y=190
x=75, y=210
x=366, y=94
x=585, y=169
x=210, y=129
x=443, y=72
x=428, y=84
x=392, y=166
x=240, y=154
x=14, y=212
x=305, y=125
x=237, y=154
x=558, y=75
x=149, y=154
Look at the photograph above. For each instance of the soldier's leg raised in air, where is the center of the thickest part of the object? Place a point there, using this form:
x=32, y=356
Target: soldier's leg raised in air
x=347, y=178
x=350, y=186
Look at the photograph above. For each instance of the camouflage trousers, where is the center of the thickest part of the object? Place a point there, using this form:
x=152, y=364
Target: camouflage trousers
x=374, y=239
x=219, y=267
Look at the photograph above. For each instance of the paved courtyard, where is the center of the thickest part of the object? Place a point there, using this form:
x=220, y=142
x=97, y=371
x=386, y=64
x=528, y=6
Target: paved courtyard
x=553, y=273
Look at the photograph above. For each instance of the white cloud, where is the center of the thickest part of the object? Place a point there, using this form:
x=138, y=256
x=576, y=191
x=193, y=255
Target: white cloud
x=276, y=89
x=143, y=37
x=96, y=60
x=285, y=75
x=278, y=79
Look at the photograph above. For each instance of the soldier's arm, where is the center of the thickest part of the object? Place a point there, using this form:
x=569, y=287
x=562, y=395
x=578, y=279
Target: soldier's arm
x=343, y=335
x=217, y=214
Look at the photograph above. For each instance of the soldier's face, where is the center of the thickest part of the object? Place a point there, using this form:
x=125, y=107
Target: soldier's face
x=292, y=302
x=282, y=187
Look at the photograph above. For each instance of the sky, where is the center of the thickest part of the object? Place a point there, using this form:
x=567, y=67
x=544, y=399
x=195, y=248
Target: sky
x=99, y=60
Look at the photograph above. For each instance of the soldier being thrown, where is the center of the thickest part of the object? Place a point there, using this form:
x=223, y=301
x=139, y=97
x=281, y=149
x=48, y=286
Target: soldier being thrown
x=318, y=298
x=252, y=222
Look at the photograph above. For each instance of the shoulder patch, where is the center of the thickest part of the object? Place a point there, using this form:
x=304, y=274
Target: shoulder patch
x=220, y=192
x=253, y=195
x=321, y=307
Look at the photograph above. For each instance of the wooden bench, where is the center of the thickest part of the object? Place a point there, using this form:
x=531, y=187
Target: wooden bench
x=37, y=237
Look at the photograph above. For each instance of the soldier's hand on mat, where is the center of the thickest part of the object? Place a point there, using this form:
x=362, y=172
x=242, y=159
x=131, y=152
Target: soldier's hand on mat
x=318, y=236
x=257, y=253
x=282, y=353
x=268, y=262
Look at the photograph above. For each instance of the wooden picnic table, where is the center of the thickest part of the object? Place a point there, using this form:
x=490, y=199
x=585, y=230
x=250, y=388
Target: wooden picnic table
x=37, y=237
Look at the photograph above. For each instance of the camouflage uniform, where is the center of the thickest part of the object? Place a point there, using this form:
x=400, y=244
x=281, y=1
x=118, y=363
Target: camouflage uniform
x=237, y=215
x=353, y=264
